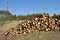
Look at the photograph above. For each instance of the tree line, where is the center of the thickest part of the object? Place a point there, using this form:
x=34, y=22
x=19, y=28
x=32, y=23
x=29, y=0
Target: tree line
x=6, y=15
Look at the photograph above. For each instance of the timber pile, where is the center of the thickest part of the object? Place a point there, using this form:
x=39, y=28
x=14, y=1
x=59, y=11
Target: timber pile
x=45, y=23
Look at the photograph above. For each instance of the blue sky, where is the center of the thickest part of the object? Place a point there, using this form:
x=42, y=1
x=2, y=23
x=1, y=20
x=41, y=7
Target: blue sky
x=23, y=7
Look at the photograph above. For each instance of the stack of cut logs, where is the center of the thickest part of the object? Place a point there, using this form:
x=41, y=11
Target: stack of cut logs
x=45, y=23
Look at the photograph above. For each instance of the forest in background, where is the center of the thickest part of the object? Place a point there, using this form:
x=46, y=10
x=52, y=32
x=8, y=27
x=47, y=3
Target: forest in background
x=6, y=15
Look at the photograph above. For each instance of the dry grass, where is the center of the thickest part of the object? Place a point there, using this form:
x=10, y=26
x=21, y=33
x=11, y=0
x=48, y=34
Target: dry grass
x=55, y=35
x=7, y=26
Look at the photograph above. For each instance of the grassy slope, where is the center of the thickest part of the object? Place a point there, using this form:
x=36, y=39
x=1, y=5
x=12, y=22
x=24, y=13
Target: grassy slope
x=7, y=26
